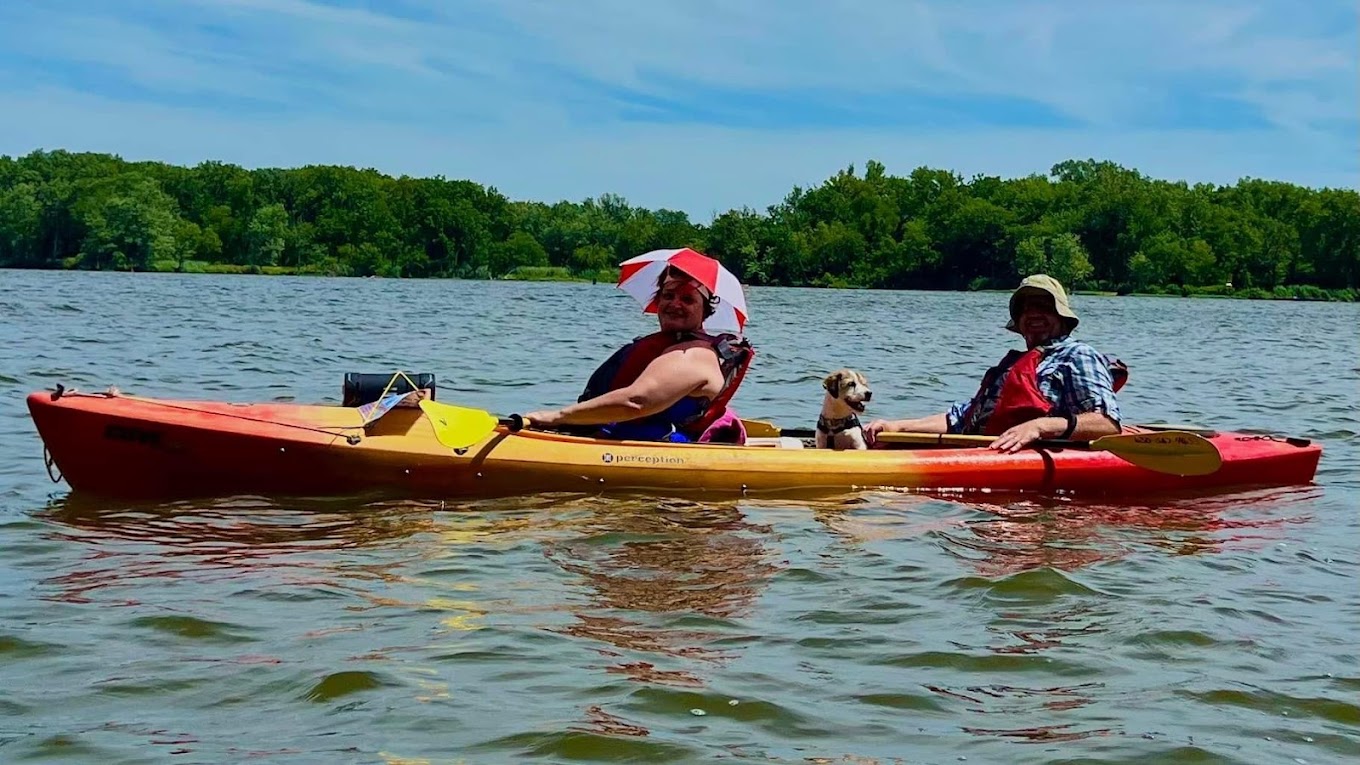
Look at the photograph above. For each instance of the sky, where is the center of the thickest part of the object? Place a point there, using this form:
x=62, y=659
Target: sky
x=693, y=105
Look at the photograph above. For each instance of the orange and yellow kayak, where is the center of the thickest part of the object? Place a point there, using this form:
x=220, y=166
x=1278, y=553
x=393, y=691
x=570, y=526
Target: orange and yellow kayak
x=132, y=447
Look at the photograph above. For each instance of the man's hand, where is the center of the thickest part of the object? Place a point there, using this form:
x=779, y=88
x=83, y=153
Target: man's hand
x=1018, y=437
x=872, y=430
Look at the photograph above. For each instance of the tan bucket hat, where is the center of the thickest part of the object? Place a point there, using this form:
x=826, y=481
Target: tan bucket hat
x=1047, y=285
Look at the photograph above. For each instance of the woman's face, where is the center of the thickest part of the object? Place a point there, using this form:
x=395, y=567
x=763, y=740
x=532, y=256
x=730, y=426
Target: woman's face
x=680, y=305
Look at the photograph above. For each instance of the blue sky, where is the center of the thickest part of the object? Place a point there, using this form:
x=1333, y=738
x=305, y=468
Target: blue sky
x=697, y=105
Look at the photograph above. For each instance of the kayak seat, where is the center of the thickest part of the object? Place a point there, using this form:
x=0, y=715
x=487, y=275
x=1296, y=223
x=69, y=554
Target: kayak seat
x=364, y=388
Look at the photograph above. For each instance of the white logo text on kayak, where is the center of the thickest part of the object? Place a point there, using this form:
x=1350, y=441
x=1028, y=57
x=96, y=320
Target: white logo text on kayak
x=610, y=458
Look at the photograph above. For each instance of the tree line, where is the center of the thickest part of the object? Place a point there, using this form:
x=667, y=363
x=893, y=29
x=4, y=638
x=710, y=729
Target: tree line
x=1092, y=224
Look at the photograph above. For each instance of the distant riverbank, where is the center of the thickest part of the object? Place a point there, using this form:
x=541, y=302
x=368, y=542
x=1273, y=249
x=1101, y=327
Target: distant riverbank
x=611, y=275
x=1090, y=224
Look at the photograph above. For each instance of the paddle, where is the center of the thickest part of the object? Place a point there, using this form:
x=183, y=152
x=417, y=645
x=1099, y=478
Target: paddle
x=1178, y=452
x=458, y=427
x=762, y=429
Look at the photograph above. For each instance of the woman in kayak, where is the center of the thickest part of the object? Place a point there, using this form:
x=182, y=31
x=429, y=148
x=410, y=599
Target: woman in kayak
x=1057, y=388
x=672, y=385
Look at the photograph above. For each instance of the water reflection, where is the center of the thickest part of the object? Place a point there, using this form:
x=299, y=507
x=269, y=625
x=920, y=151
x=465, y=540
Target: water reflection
x=888, y=516
x=1051, y=630
x=240, y=525
x=606, y=724
x=1067, y=535
x=650, y=563
x=126, y=544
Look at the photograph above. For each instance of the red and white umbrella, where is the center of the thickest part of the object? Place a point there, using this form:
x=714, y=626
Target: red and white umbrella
x=637, y=277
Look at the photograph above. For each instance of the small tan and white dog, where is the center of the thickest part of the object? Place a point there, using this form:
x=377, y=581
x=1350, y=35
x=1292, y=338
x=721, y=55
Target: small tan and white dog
x=838, y=426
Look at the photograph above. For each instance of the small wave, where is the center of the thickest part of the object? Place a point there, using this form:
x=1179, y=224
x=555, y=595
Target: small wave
x=1038, y=585
x=597, y=740
x=192, y=628
x=1273, y=702
x=16, y=648
x=340, y=684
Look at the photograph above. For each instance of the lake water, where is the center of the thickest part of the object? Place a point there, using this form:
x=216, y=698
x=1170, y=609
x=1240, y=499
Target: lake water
x=875, y=627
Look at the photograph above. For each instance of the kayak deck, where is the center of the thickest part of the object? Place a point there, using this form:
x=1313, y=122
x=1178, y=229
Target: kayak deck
x=134, y=447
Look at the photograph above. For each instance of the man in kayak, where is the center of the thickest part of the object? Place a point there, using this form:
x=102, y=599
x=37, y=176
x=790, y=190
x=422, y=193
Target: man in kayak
x=1057, y=388
x=672, y=385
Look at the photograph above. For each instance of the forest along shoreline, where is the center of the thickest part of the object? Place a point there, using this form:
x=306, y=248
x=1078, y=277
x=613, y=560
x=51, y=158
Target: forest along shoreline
x=1094, y=225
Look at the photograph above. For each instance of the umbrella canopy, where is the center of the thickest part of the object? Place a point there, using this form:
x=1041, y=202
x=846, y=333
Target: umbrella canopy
x=637, y=277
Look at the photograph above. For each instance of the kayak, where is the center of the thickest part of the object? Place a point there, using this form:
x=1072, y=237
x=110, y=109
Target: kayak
x=127, y=446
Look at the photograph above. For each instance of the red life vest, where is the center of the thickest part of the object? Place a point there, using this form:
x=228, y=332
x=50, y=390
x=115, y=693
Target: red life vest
x=628, y=363
x=1019, y=399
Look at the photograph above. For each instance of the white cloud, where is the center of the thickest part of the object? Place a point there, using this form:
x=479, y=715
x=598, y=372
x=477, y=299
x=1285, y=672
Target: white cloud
x=143, y=56
x=698, y=169
x=517, y=95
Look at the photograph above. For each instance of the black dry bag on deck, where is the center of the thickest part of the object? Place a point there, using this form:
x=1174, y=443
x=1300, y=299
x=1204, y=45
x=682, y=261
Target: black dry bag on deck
x=361, y=388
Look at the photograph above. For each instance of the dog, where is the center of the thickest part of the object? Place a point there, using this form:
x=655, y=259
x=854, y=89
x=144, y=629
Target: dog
x=838, y=426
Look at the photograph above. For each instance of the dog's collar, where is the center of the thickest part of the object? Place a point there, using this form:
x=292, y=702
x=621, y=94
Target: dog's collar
x=837, y=425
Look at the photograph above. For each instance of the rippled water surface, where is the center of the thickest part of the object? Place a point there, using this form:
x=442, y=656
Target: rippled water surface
x=874, y=627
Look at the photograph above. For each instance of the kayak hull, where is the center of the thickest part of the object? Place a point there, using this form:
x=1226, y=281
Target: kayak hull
x=141, y=448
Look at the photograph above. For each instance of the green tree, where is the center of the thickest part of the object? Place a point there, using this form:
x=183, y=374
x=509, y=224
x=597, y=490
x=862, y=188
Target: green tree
x=266, y=236
x=972, y=237
x=1061, y=257
x=521, y=249
x=21, y=215
x=1171, y=260
x=590, y=258
x=732, y=238
x=129, y=223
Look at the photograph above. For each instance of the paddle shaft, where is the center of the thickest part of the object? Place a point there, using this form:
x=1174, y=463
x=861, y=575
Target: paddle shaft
x=1176, y=452
x=950, y=439
x=943, y=439
x=927, y=439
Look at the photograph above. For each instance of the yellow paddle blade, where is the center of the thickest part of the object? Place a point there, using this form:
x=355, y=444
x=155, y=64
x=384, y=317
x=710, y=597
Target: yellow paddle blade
x=761, y=429
x=458, y=427
x=1177, y=452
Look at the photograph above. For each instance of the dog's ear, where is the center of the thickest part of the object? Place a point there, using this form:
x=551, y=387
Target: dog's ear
x=832, y=383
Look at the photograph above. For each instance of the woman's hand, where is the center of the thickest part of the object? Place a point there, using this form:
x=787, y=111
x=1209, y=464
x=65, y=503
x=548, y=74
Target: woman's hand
x=542, y=419
x=413, y=398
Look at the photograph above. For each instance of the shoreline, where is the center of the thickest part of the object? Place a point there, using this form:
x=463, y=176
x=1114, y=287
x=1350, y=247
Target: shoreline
x=1304, y=293
x=93, y=211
